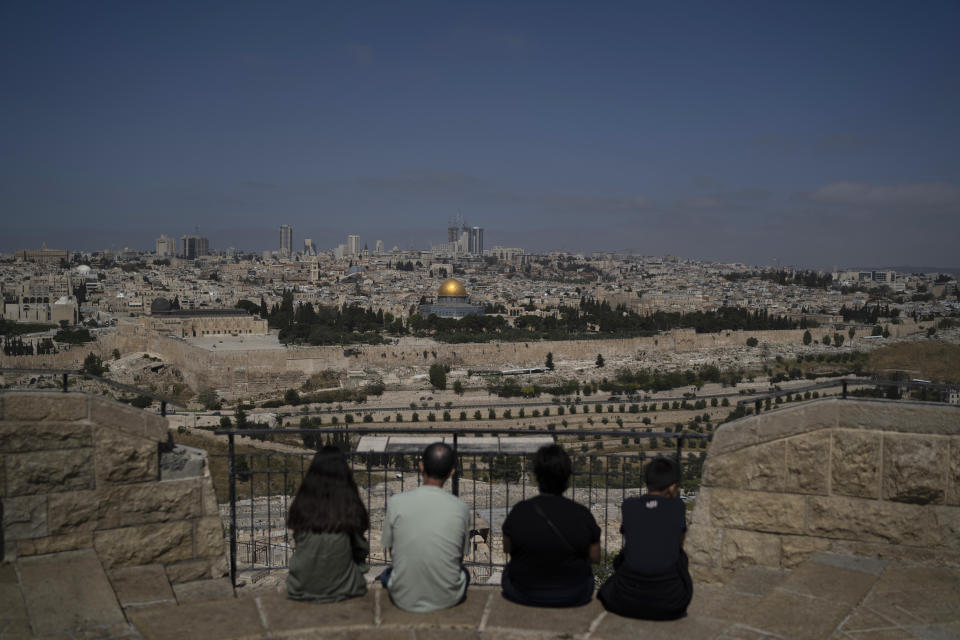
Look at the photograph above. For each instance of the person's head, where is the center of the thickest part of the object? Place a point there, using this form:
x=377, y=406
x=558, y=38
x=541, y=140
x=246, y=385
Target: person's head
x=552, y=466
x=438, y=461
x=327, y=500
x=660, y=473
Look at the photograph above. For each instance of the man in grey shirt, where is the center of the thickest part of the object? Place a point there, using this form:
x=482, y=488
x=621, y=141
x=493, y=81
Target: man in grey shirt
x=427, y=531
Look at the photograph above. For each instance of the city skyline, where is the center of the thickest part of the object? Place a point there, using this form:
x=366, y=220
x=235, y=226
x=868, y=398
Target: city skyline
x=813, y=135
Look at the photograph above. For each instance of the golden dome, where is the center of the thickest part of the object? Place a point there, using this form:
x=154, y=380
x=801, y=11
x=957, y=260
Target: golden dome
x=451, y=288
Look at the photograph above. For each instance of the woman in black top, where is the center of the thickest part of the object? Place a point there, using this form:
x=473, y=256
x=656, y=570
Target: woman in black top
x=551, y=541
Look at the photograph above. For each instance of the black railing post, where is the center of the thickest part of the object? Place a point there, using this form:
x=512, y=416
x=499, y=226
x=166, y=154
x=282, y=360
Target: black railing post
x=163, y=408
x=843, y=383
x=456, y=467
x=65, y=384
x=756, y=404
x=231, y=471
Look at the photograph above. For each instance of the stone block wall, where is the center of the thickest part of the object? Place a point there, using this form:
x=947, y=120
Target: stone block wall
x=863, y=477
x=79, y=471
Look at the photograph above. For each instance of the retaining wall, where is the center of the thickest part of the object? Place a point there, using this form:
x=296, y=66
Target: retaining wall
x=861, y=477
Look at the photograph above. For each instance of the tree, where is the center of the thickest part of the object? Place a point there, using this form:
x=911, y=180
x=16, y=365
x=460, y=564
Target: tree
x=600, y=361
x=438, y=376
x=807, y=338
x=116, y=354
x=291, y=397
x=752, y=342
x=93, y=365
x=458, y=387
x=826, y=340
x=209, y=399
x=838, y=340
x=549, y=363
x=852, y=331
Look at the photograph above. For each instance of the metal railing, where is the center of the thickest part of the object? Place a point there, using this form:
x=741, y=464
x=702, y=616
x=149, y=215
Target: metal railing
x=895, y=386
x=489, y=482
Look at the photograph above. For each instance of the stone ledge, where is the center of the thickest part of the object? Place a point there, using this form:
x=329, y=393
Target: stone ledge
x=53, y=406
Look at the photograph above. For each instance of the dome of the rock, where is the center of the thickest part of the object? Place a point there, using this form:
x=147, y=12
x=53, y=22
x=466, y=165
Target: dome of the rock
x=451, y=288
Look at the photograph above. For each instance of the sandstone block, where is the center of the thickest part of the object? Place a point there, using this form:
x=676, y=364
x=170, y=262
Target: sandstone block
x=855, y=464
x=702, y=545
x=208, y=537
x=65, y=592
x=25, y=517
x=758, y=468
x=758, y=511
x=794, y=420
x=73, y=511
x=748, y=548
x=190, y=570
x=56, y=544
x=808, y=464
x=914, y=468
x=872, y=521
x=734, y=436
x=146, y=544
x=42, y=436
x=903, y=417
x=122, y=459
x=140, y=503
x=209, y=498
x=948, y=521
x=49, y=471
x=201, y=590
x=140, y=586
x=796, y=549
x=57, y=407
x=128, y=420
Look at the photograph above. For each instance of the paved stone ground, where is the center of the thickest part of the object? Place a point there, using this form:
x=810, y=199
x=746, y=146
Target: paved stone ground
x=828, y=597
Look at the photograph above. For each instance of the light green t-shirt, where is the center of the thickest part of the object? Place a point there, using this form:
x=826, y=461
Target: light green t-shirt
x=428, y=531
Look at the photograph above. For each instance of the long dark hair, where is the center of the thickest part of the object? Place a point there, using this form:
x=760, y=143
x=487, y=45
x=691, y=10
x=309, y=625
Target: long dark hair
x=327, y=500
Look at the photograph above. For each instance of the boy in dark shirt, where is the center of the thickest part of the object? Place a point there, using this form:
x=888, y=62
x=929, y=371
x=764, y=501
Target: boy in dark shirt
x=651, y=579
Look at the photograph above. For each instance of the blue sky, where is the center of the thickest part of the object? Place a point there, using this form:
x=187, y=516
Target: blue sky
x=813, y=133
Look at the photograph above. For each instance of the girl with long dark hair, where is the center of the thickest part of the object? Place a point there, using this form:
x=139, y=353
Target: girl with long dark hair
x=328, y=520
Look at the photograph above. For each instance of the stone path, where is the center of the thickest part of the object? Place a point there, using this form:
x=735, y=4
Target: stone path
x=828, y=597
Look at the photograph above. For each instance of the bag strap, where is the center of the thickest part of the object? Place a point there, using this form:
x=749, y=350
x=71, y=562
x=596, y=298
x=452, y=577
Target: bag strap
x=566, y=543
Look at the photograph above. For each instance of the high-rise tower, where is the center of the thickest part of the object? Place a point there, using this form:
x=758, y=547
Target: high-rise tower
x=286, y=240
x=476, y=241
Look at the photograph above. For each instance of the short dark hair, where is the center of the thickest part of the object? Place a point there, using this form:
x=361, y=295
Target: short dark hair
x=327, y=500
x=660, y=473
x=552, y=466
x=438, y=460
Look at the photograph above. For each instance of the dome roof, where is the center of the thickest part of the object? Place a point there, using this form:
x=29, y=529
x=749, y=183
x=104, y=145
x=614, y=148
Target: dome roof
x=451, y=288
x=160, y=305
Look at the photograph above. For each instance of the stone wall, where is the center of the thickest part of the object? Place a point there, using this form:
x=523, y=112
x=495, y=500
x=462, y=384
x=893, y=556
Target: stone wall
x=82, y=472
x=863, y=477
x=241, y=374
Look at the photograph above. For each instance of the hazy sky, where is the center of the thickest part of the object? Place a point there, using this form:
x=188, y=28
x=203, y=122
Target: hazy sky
x=813, y=133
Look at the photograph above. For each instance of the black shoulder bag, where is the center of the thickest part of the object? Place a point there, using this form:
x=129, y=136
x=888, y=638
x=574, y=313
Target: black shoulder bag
x=563, y=539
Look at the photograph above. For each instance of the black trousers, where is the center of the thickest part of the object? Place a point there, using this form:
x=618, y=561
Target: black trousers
x=572, y=596
x=662, y=597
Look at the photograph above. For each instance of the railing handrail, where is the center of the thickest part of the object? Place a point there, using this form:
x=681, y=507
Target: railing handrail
x=458, y=431
x=843, y=382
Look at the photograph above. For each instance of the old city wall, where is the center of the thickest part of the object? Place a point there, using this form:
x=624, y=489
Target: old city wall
x=247, y=373
x=856, y=477
x=82, y=472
